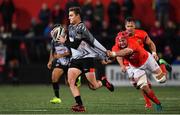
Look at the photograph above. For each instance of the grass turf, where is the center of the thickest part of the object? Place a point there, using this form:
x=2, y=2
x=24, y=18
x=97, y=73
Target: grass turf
x=31, y=99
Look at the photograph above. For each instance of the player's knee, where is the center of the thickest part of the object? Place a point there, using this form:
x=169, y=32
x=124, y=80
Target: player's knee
x=142, y=86
x=142, y=82
x=145, y=88
x=54, y=79
x=91, y=86
x=71, y=82
x=94, y=86
x=162, y=80
x=134, y=83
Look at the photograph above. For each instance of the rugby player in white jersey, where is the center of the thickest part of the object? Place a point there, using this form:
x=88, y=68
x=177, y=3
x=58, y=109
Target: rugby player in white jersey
x=85, y=49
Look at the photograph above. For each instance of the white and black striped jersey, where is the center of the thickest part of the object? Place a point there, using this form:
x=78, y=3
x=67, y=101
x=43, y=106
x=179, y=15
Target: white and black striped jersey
x=83, y=44
x=60, y=49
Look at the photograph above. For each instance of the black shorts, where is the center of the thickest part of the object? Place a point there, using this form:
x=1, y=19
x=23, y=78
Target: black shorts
x=55, y=64
x=82, y=64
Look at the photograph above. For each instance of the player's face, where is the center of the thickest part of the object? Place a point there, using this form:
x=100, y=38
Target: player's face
x=130, y=27
x=73, y=17
x=123, y=42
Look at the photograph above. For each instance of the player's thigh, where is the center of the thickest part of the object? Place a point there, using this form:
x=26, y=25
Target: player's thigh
x=72, y=74
x=82, y=64
x=57, y=73
x=153, y=67
x=134, y=72
x=139, y=82
x=142, y=81
x=151, y=64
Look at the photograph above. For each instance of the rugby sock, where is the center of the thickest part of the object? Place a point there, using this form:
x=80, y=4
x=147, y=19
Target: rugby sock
x=163, y=68
x=167, y=65
x=162, y=65
x=103, y=81
x=78, y=100
x=56, y=89
x=152, y=96
x=146, y=99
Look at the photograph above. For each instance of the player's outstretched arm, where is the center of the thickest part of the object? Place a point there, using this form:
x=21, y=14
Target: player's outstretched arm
x=120, y=53
x=152, y=47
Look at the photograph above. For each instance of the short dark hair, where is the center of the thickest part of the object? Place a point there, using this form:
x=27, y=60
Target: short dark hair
x=56, y=25
x=129, y=19
x=77, y=10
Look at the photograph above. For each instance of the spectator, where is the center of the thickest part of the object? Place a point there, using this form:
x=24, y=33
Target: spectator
x=127, y=8
x=15, y=31
x=168, y=54
x=13, y=70
x=2, y=32
x=177, y=42
x=99, y=11
x=2, y=60
x=114, y=9
x=57, y=14
x=157, y=33
x=7, y=10
x=32, y=30
x=47, y=30
x=71, y=3
x=24, y=58
x=170, y=32
x=138, y=24
x=44, y=15
x=98, y=17
x=107, y=35
x=162, y=11
x=88, y=11
x=176, y=61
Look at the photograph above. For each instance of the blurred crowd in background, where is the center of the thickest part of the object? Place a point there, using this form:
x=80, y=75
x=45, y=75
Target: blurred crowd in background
x=19, y=47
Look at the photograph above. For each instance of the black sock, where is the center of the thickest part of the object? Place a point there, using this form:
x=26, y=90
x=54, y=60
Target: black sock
x=78, y=100
x=56, y=89
x=103, y=82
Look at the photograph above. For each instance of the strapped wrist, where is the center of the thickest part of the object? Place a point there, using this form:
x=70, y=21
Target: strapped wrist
x=114, y=54
x=154, y=53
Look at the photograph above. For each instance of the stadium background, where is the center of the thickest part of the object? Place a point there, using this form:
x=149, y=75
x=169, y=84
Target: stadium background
x=27, y=44
x=30, y=8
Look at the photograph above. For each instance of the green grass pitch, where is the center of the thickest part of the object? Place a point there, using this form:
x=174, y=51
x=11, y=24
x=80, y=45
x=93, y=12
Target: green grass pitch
x=31, y=99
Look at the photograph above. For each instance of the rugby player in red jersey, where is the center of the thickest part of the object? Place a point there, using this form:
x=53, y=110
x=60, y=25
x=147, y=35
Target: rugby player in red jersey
x=139, y=61
x=143, y=39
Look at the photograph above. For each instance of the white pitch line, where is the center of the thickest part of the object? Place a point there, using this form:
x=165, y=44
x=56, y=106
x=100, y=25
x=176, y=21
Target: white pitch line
x=34, y=110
